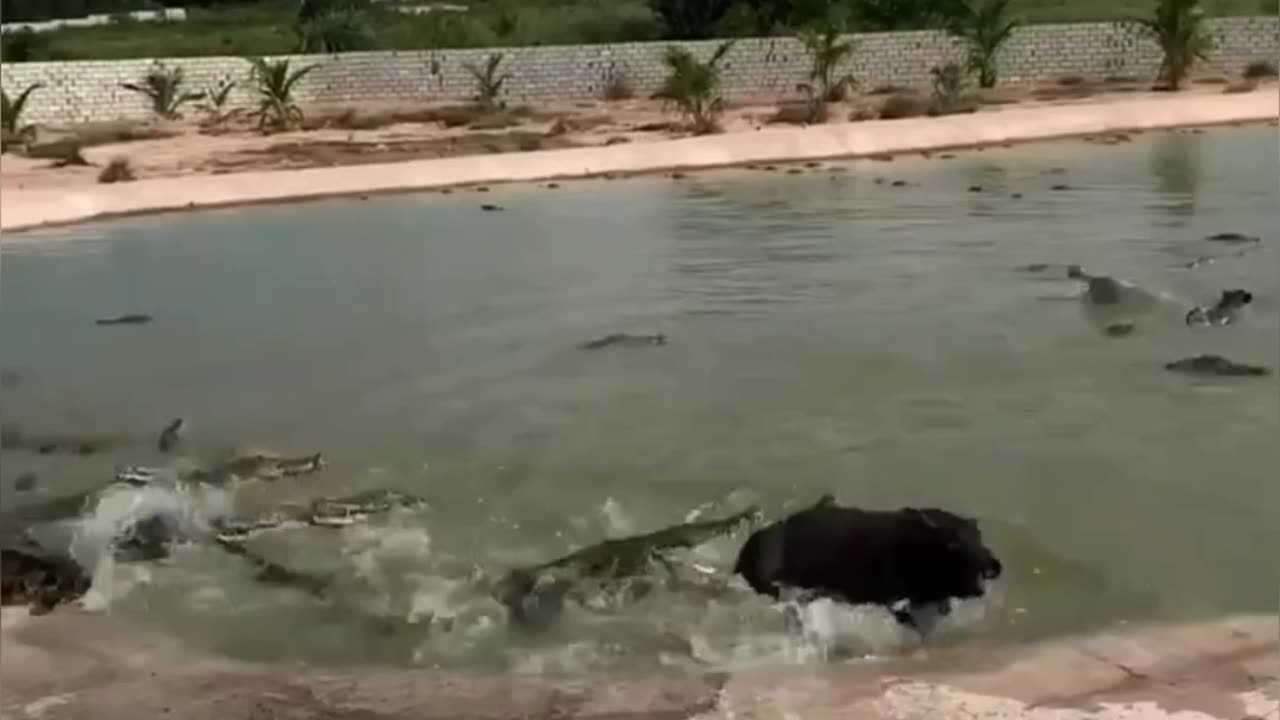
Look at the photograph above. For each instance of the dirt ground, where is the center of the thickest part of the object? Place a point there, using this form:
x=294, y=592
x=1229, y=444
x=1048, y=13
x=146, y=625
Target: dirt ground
x=339, y=136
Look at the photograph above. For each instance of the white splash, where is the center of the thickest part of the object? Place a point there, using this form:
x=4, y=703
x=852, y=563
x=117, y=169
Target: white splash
x=617, y=521
x=188, y=510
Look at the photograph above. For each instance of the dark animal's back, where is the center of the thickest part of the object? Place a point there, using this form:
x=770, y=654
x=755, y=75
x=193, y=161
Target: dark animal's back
x=864, y=556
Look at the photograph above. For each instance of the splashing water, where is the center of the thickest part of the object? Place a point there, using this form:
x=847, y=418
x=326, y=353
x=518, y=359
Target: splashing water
x=617, y=520
x=186, y=512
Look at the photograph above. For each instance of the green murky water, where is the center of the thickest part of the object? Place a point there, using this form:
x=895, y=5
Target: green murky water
x=828, y=332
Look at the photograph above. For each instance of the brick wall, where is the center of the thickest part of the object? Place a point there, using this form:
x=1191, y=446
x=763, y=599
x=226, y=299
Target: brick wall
x=90, y=91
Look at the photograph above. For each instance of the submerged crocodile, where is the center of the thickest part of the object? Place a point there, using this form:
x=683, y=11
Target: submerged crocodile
x=1216, y=366
x=13, y=437
x=624, y=340
x=534, y=595
x=131, y=319
x=1100, y=289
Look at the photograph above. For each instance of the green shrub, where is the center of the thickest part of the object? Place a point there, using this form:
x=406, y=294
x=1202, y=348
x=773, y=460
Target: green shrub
x=984, y=27
x=274, y=82
x=693, y=87
x=164, y=87
x=1178, y=27
x=488, y=80
x=13, y=132
x=903, y=105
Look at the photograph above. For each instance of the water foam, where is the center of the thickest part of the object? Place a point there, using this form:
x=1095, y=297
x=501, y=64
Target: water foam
x=187, y=511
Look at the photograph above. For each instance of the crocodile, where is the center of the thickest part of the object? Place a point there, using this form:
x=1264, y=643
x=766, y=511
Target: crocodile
x=1216, y=366
x=171, y=435
x=1221, y=313
x=624, y=340
x=1101, y=289
x=14, y=438
x=131, y=319
x=247, y=466
x=533, y=596
x=44, y=579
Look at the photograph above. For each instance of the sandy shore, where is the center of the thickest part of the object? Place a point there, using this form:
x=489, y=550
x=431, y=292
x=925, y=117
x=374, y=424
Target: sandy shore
x=73, y=666
x=27, y=207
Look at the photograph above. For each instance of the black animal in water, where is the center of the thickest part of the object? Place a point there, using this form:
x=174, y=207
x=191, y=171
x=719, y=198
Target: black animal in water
x=134, y=319
x=624, y=340
x=917, y=557
x=1216, y=366
x=1223, y=312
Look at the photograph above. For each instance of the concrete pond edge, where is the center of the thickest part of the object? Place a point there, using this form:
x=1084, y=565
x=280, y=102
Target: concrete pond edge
x=33, y=208
x=75, y=665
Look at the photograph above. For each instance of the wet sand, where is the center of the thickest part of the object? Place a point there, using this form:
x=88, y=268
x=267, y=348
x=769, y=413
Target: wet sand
x=27, y=207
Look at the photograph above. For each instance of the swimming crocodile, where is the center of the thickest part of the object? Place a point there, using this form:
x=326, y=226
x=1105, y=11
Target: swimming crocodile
x=171, y=435
x=13, y=437
x=1100, y=289
x=1221, y=313
x=131, y=319
x=534, y=595
x=1216, y=366
x=624, y=340
x=248, y=466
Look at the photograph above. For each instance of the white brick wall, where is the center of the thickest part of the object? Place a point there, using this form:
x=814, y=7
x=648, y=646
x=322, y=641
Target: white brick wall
x=90, y=91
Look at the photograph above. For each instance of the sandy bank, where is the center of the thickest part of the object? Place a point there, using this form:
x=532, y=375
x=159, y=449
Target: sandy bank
x=73, y=665
x=26, y=208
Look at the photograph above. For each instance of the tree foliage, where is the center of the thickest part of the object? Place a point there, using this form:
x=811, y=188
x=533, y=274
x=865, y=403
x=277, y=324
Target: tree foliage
x=883, y=15
x=334, y=26
x=691, y=19
x=274, y=82
x=693, y=86
x=165, y=87
x=984, y=27
x=12, y=131
x=1178, y=27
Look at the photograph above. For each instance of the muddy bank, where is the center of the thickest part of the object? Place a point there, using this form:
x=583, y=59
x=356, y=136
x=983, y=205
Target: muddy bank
x=32, y=207
x=72, y=665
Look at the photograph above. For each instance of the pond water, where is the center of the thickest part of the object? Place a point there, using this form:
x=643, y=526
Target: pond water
x=829, y=332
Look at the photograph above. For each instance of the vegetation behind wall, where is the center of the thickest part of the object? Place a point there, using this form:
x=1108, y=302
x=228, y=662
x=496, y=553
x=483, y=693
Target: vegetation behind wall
x=277, y=27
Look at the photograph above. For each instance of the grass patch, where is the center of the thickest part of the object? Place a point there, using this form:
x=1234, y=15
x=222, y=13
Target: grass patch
x=795, y=113
x=108, y=133
x=471, y=115
x=904, y=105
x=1240, y=86
x=301, y=154
x=1063, y=92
